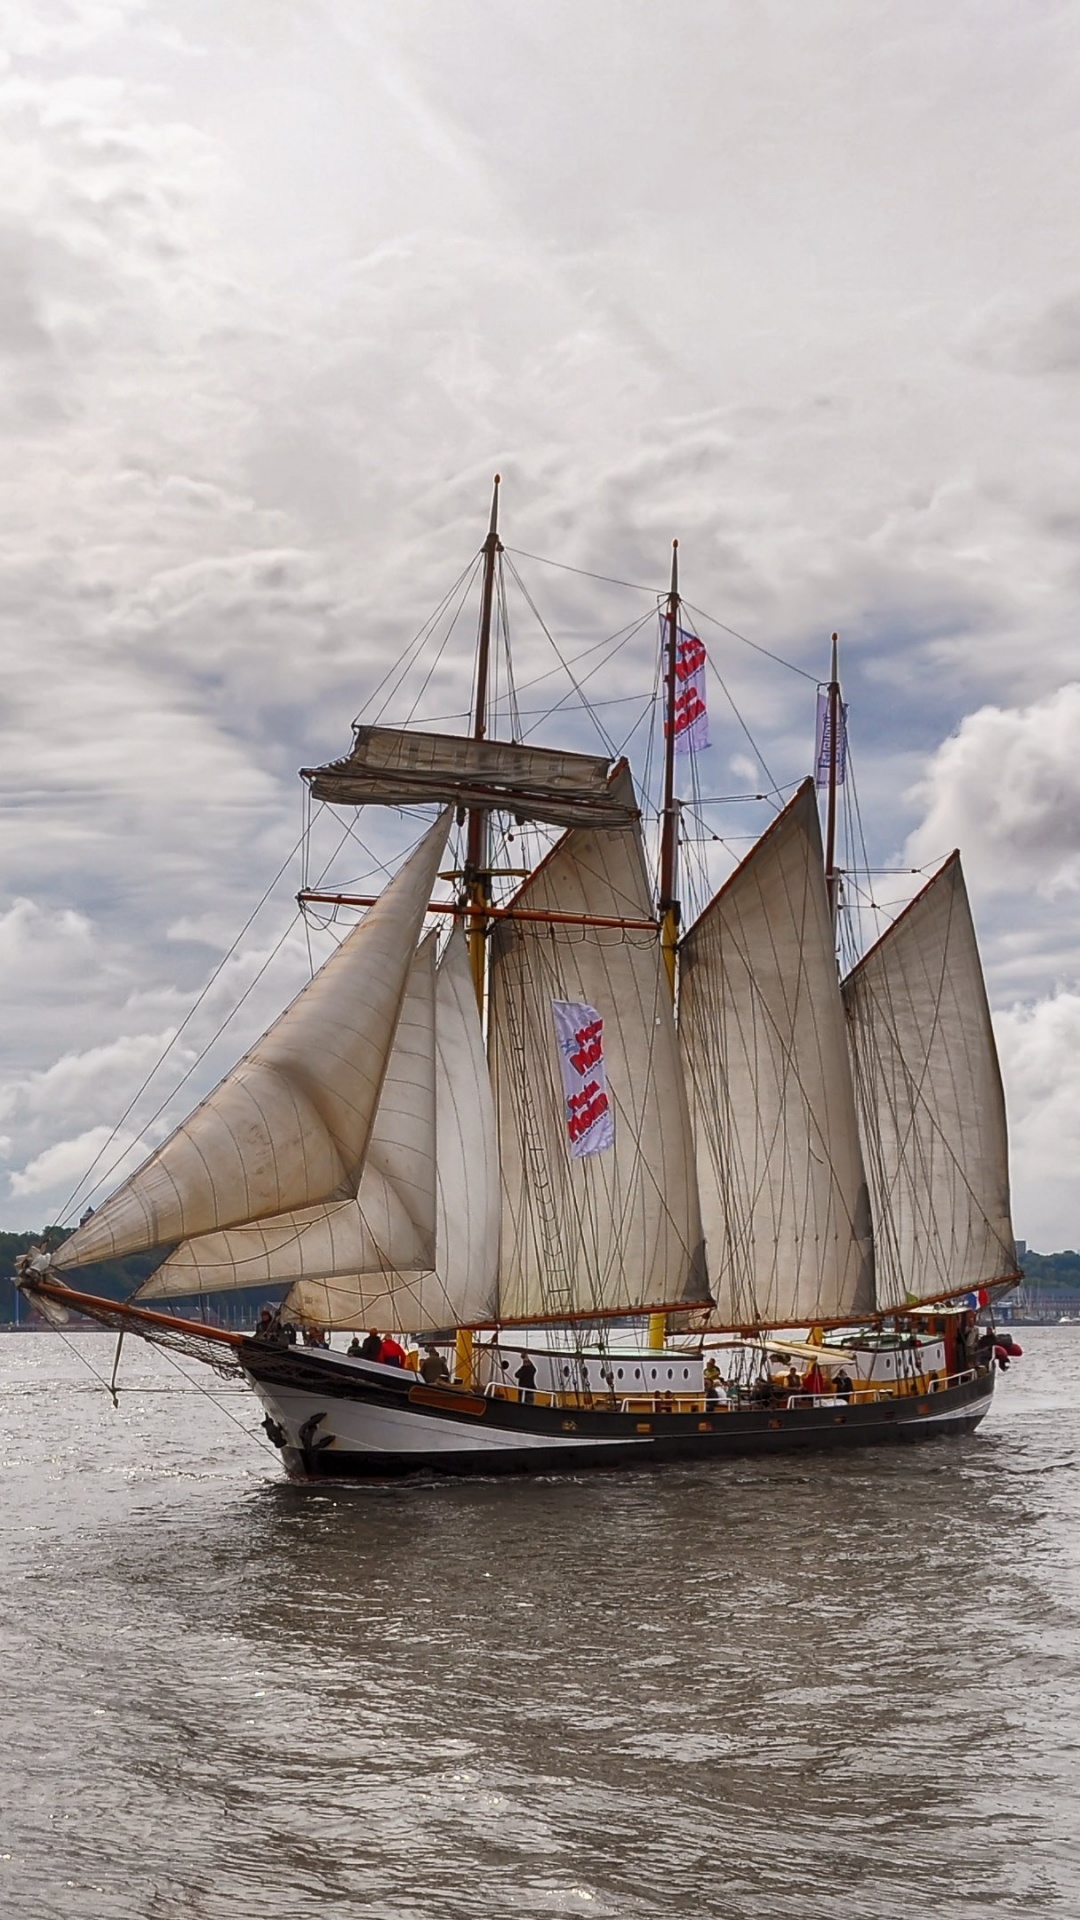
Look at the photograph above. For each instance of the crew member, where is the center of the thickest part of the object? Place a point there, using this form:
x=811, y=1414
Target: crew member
x=433, y=1367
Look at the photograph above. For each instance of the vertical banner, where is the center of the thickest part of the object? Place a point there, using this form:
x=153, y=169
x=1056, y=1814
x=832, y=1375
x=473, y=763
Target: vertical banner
x=691, y=713
x=824, y=746
x=590, y=1122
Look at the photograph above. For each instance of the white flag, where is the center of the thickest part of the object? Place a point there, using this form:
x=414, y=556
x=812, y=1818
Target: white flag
x=590, y=1122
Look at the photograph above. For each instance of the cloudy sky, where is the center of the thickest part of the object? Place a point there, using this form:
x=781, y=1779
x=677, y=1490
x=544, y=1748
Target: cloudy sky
x=282, y=285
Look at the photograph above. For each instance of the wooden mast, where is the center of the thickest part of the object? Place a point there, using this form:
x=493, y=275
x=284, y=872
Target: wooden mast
x=477, y=877
x=668, y=904
x=831, y=743
x=669, y=832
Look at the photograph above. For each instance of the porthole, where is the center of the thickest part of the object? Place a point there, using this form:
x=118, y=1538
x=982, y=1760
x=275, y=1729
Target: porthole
x=620, y=1373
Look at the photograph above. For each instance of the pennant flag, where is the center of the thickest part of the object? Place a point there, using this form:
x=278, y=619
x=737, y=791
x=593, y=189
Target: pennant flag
x=590, y=1122
x=823, y=747
x=691, y=714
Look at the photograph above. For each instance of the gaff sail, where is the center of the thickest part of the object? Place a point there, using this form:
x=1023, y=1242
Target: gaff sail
x=400, y=768
x=783, y=1192
x=619, y=1228
x=931, y=1101
x=290, y=1125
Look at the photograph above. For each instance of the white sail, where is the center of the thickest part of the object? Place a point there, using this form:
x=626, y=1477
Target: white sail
x=620, y=1228
x=462, y=1288
x=783, y=1192
x=418, y=1245
x=289, y=1126
x=931, y=1101
x=388, y=1225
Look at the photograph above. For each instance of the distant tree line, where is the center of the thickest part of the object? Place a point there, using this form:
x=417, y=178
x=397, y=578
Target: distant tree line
x=1052, y=1269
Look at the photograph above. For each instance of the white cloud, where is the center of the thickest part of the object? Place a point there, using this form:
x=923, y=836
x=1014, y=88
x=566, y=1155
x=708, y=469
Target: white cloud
x=1006, y=789
x=64, y=1163
x=1040, y=1053
x=277, y=294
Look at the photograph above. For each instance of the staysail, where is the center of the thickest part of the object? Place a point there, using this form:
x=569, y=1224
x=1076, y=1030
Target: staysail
x=783, y=1192
x=619, y=1228
x=418, y=1245
x=289, y=1126
x=931, y=1101
x=461, y=1288
x=388, y=1224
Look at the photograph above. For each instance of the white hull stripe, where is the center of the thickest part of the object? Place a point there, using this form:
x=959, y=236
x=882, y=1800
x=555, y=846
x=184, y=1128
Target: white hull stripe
x=359, y=1426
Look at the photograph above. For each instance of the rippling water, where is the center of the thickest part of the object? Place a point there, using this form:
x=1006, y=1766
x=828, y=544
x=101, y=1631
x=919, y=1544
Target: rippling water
x=840, y=1688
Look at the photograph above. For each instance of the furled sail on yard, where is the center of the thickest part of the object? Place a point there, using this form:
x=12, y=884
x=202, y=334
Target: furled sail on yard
x=931, y=1101
x=400, y=768
x=290, y=1125
x=418, y=1245
x=619, y=1228
x=783, y=1191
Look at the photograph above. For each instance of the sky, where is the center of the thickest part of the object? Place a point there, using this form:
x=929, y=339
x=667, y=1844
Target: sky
x=281, y=287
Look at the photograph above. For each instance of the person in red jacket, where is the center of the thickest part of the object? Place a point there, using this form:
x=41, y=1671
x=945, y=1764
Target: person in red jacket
x=392, y=1354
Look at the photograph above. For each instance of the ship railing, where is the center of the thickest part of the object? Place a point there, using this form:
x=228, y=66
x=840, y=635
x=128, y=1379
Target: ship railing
x=942, y=1382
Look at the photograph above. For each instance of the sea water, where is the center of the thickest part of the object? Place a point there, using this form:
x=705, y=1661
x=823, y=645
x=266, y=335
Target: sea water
x=842, y=1687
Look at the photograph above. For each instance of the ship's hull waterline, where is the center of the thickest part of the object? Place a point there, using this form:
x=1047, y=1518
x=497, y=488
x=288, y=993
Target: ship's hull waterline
x=338, y=1420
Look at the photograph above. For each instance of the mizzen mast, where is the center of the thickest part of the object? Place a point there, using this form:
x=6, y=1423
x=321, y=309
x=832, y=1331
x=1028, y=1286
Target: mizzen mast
x=477, y=855
x=832, y=743
x=669, y=830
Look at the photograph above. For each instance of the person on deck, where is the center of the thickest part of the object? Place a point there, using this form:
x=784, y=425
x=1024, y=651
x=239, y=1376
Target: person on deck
x=433, y=1368
x=794, y=1383
x=371, y=1348
x=814, y=1380
x=526, y=1378
x=354, y=1348
x=393, y=1353
x=714, y=1380
x=843, y=1384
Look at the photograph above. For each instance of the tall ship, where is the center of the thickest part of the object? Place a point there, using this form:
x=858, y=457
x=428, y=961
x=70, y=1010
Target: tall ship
x=591, y=1182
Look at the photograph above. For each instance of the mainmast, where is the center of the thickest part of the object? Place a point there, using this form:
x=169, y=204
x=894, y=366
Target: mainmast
x=669, y=834
x=477, y=876
x=831, y=743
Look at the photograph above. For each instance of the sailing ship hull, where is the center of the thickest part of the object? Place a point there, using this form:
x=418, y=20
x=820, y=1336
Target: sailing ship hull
x=336, y=1419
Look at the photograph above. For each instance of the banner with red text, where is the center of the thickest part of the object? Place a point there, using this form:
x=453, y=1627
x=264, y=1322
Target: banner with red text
x=691, y=712
x=590, y=1122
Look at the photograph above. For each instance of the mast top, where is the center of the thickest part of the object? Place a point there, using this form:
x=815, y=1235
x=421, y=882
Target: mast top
x=493, y=524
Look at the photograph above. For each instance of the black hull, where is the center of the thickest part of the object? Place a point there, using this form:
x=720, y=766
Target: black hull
x=336, y=1420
